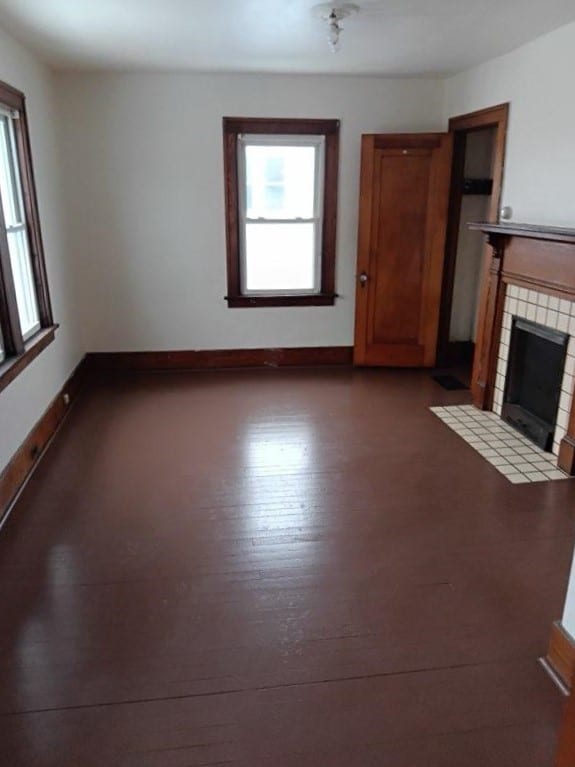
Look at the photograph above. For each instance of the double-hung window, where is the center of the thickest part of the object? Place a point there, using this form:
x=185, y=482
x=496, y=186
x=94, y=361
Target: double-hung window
x=25, y=314
x=281, y=196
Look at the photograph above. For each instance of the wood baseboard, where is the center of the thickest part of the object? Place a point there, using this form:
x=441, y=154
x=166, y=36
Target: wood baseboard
x=561, y=654
x=221, y=358
x=26, y=458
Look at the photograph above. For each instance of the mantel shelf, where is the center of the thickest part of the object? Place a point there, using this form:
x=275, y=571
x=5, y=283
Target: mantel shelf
x=532, y=231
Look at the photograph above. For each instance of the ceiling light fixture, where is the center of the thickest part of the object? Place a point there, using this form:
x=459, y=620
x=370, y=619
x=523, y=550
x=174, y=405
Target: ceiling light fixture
x=332, y=15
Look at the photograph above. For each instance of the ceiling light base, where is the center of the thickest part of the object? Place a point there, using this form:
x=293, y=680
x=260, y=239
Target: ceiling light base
x=332, y=15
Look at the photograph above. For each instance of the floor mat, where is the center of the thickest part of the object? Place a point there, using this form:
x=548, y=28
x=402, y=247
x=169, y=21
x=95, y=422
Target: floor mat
x=449, y=382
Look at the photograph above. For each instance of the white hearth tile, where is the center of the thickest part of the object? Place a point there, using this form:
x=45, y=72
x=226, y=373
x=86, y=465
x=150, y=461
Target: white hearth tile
x=541, y=315
x=513, y=291
x=506, y=451
x=524, y=450
x=535, y=476
x=505, y=336
x=552, y=317
x=523, y=466
x=542, y=300
x=554, y=303
x=532, y=296
x=570, y=365
x=522, y=294
x=509, y=452
x=518, y=479
x=486, y=453
x=531, y=312
x=507, y=469
x=565, y=306
x=562, y=419
x=563, y=323
x=511, y=306
x=556, y=474
x=521, y=308
x=564, y=400
x=538, y=465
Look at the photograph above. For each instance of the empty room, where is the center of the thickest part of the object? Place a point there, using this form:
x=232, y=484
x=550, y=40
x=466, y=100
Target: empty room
x=287, y=372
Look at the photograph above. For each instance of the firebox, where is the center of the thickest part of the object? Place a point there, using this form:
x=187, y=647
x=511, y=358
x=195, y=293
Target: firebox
x=533, y=382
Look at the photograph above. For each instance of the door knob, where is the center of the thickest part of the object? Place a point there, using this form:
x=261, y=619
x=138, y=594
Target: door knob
x=363, y=279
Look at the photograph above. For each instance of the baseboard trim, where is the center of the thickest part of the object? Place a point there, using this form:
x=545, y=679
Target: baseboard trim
x=561, y=654
x=221, y=358
x=22, y=464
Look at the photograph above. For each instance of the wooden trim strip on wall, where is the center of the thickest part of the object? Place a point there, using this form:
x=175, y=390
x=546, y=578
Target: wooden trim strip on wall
x=26, y=458
x=561, y=654
x=222, y=358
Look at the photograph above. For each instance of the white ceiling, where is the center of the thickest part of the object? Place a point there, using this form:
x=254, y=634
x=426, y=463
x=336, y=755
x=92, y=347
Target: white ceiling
x=388, y=37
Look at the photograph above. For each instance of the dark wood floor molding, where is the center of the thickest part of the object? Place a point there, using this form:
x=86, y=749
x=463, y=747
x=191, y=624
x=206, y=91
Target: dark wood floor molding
x=220, y=358
x=561, y=654
x=27, y=456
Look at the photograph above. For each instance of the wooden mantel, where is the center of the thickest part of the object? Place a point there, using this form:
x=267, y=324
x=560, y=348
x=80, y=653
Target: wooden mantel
x=537, y=257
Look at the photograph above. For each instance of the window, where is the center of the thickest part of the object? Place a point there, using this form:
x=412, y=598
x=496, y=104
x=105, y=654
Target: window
x=26, y=325
x=281, y=210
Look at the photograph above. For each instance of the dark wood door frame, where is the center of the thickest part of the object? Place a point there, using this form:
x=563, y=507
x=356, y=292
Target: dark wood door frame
x=461, y=126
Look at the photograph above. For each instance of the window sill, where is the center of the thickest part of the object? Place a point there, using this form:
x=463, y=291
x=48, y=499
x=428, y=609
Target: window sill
x=13, y=366
x=318, y=299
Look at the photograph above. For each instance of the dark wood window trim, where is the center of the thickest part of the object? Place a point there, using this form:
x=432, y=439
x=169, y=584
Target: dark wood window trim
x=13, y=366
x=18, y=351
x=232, y=128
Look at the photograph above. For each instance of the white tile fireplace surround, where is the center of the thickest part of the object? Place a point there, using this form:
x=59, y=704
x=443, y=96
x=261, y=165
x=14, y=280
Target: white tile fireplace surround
x=554, y=313
x=512, y=454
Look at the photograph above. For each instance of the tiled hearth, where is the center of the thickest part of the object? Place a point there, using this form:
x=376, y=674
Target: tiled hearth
x=554, y=313
x=513, y=455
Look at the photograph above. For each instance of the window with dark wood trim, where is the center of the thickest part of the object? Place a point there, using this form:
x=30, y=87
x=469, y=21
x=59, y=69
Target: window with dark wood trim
x=26, y=323
x=281, y=211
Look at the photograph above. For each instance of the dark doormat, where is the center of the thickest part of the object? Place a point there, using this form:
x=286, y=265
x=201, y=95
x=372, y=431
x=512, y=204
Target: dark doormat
x=449, y=382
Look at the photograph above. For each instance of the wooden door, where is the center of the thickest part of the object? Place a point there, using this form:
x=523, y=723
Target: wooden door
x=402, y=224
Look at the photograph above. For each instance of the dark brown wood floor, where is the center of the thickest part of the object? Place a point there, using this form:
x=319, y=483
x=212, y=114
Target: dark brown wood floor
x=277, y=568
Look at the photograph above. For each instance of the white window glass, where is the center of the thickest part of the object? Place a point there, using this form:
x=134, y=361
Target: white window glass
x=280, y=257
x=281, y=213
x=16, y=228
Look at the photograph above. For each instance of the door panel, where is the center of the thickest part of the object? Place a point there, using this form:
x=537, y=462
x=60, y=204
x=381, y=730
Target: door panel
x=403, y=210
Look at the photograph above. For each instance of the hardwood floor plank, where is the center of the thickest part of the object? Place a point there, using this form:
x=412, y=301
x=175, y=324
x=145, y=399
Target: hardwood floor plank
x=286, y=567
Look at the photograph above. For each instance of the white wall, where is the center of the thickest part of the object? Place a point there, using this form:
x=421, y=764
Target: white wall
x=538, y=81
x=144, y=177
x=25, y=399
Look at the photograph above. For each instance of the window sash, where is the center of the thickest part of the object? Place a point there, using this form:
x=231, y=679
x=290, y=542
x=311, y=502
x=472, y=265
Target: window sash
x=17, y=230
x=317, y=142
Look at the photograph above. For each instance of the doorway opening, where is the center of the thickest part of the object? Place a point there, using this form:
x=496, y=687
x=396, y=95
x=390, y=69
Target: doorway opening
x=476, y=180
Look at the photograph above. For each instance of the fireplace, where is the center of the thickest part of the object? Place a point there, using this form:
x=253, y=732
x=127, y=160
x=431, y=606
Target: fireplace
x=533, y=381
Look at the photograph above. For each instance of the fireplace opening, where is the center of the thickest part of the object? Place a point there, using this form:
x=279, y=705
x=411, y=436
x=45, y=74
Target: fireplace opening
x=533, y=382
